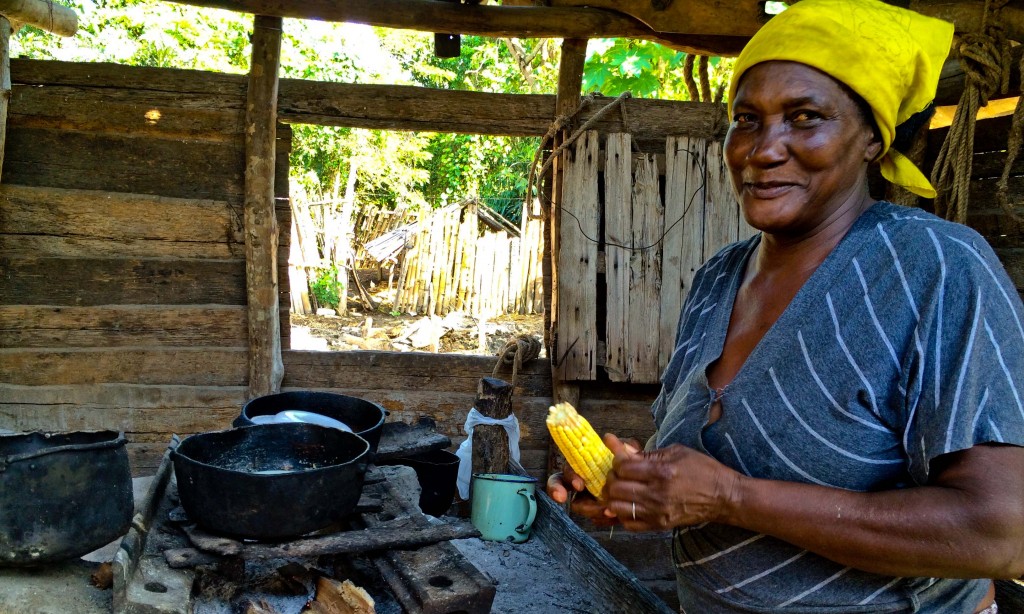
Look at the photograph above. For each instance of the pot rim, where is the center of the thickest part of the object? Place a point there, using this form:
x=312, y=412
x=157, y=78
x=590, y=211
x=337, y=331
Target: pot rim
x=117, y=440
x=300, y=425
x=285, y=393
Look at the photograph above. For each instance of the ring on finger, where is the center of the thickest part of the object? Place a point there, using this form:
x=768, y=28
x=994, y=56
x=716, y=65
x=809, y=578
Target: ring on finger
x=634, y=510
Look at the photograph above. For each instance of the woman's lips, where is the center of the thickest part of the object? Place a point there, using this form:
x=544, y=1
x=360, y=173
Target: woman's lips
x=768, y=190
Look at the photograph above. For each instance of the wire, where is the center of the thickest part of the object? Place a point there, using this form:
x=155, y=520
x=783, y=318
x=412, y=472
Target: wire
x=579, y=224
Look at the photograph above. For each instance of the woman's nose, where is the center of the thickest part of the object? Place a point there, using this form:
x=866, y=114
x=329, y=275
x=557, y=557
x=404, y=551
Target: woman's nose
x=769, y=147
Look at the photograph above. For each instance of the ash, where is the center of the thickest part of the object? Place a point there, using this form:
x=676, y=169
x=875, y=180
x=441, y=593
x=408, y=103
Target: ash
x=529, y=577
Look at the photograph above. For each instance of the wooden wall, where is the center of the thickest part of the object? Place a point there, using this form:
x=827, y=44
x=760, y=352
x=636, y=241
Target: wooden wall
x=122, y=261
x=122, y=278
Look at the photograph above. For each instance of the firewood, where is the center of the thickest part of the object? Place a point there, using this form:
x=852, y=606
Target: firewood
x=334, y=597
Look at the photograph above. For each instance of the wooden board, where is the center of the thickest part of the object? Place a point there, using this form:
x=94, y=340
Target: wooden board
x=103, y=281
x=85, y=223
x=645, y=274
x=720, y=18
x=126, y=325
x=190, y=366
x=618, y=238
x=577, y=263
x=721, y=213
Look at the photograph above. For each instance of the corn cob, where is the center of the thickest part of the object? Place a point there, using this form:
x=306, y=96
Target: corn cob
x=586, y=453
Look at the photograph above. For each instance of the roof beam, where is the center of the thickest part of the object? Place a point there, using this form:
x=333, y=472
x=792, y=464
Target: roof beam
x=483, y=20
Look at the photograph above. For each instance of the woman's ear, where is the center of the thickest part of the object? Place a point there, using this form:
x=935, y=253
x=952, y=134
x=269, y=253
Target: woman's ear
x=873, y=148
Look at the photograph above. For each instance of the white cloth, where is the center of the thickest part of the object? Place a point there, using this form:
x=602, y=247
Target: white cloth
x=465, y=451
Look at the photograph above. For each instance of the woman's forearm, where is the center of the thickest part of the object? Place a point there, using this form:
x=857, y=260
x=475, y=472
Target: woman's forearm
x=965, y=524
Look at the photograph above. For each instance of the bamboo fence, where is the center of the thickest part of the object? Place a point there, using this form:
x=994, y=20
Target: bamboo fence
x=455, y=265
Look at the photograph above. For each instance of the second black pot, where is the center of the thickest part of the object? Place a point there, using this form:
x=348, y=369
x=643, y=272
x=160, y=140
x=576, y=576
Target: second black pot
x=365, y=418
x=270, y=481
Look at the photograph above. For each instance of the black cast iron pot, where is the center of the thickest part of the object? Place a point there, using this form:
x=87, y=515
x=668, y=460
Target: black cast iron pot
x=270, y=481
x=365, y=418
x=62, y=495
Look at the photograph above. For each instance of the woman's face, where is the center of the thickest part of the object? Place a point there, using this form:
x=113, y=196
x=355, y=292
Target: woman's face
x=798, y=148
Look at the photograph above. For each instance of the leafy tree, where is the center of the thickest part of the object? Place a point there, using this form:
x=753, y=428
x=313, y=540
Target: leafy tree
x=646, y=69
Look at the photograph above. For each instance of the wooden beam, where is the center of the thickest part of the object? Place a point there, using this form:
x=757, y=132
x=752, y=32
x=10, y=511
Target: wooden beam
x=723, y=17
x=485, y=20
x=265, y=367
x=44, y=14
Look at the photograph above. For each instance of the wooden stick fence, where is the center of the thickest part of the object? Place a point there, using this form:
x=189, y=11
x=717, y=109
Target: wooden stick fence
x=453, y=265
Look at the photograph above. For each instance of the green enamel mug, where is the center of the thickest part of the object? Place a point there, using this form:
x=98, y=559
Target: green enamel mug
x=504, y=506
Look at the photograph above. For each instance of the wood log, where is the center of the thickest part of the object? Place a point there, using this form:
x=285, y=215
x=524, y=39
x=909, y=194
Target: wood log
x=261, y=230
x=44, y=14
x=487, y=20
x=490, y=442
x=399, y=534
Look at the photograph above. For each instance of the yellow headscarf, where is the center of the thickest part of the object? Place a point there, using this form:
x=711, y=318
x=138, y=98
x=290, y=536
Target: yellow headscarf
x=890, y=56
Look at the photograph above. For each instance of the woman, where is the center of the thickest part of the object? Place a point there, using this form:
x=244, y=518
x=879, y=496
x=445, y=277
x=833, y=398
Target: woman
x=839, y=426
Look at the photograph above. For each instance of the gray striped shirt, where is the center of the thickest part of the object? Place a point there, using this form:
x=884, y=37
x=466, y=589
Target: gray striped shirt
x=905, y=344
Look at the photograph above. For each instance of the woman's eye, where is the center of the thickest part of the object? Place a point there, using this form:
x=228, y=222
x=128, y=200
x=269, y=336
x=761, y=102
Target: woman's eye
x=743, y=118
x=805, y=116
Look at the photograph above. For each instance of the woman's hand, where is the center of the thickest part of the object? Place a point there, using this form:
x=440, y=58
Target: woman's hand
x=666, y=488
x=562, y=485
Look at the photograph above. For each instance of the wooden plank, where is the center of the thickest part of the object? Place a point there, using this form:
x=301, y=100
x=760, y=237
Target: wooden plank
x=683, y=253
x=140, y=112
x=118, y=326
x=97, y=281
x=618, y=239
x=590, y=565
x=261, y=231
x=53, y=158
x=644, y=340
x=720, y=211
x=85, y=223
x=484, y=20
x=723, y=18
x=577, y=263
x=209, y=105
x=1013, y=261
x=5, y=78
x=999, y=229
x=187, y=366
x=121, y=407
x=672, y=281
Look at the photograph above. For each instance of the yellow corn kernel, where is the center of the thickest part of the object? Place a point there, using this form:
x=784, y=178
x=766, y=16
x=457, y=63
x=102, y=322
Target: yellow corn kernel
x=583, y=449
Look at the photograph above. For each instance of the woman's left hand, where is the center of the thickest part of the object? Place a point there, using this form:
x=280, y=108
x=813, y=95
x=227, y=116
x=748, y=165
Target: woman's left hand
x=666, y=488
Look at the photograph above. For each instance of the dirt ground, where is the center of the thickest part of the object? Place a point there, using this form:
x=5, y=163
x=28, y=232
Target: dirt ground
x=455, y=333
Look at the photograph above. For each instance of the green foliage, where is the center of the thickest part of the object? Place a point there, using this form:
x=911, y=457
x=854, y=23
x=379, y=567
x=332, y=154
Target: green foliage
x=646, y=69
x=325, y=290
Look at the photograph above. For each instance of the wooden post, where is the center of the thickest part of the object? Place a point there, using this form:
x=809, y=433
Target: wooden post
x=570, y=84
x=266, y=370
x=5, y=82
x=490, y=442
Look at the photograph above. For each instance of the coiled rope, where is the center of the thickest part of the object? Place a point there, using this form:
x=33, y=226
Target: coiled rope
x=521, y=349
x=985, y=59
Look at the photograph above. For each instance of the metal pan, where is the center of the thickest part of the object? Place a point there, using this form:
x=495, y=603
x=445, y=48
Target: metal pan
x=270, y=481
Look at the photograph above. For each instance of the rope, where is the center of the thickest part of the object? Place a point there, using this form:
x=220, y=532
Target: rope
x=705, y=81
x=556, y=126
x=691, y=85
x=517, y=351
x=984, y=56
x=1013, y=144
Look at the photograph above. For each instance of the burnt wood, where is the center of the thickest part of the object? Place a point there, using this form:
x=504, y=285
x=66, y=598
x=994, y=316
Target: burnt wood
x=490, y=442
x=435, y=579
x=398, y=534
